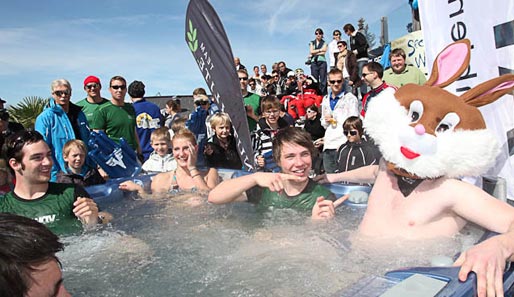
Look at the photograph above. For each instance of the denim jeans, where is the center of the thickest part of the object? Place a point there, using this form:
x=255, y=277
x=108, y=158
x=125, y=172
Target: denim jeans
x=319, y=72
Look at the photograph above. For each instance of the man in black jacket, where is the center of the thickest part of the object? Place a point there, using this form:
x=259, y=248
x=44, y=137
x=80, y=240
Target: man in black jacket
x=359, y=46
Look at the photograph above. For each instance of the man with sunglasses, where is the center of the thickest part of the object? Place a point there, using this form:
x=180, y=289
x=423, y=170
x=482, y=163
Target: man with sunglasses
x=336, y=107
x=372, y=74
x=250, y=100
x=94, y=100
x=60, y=122
x=118, y=118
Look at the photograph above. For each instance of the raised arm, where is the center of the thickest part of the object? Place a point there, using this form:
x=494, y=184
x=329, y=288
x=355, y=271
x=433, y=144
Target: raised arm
x=365, y=174
x=230, y=190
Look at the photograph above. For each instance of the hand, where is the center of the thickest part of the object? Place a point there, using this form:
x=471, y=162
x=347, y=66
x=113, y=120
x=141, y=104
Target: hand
x=350, y=83
x=325, y=209
x=193, y=155
x=328, y=118
x=86, y=210
x=208, y=150
x=487, y=260
x=129, y=186
x=249, y=110
x=275, y=181
x=355, y=52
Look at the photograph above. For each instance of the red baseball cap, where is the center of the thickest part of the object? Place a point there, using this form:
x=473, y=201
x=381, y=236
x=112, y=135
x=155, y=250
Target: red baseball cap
x=91, y=79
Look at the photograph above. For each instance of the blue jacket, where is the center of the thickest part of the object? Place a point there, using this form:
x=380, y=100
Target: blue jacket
x=56, y=128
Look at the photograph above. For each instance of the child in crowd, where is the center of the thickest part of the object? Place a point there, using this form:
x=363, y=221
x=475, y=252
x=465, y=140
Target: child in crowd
x=267, y=127
x=356, y=151
x=160, y=160
x=74, y=155
x=220, y=150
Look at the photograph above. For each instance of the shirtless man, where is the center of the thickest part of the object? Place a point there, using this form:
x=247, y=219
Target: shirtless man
x=429, y=138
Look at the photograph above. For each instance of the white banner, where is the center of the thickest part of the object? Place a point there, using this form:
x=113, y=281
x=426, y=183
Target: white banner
x=490, y=28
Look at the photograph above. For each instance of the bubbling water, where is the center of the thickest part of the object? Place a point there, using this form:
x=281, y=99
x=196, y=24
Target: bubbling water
x=166, y=247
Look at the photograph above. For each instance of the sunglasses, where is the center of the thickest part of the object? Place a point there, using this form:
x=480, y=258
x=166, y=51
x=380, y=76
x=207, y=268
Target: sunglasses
x=119, y=87
x=351, y=132
x=365, y=74
x=92, y=86
x=243, y=78
x=61, y=93
x=317, y=33
x=335, y=81
x=201, y=102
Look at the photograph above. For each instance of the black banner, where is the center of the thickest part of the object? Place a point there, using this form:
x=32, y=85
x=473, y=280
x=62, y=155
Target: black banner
x=208, y=42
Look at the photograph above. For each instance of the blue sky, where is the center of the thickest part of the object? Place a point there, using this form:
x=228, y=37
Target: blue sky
x=144, y=40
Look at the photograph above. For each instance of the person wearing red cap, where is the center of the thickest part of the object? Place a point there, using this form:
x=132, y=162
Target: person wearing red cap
x=94, y=100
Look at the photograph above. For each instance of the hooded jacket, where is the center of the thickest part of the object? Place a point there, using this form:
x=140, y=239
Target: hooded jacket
x=55, y=126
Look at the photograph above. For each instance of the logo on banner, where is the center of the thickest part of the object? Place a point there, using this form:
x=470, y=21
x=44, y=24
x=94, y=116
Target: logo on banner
x=192, y=42
x=116, y=159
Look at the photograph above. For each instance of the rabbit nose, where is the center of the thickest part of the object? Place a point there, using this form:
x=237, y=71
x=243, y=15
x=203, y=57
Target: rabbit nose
x=419, y=129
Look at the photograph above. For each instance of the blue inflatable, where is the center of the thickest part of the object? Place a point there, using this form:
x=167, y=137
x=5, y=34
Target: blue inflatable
x=117, y=160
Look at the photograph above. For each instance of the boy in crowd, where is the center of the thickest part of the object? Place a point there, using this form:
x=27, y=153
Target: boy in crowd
x=160, y=160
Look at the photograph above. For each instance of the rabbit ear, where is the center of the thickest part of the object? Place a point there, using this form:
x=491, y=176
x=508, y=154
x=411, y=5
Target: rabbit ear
x=450, y=64
x=489, y=91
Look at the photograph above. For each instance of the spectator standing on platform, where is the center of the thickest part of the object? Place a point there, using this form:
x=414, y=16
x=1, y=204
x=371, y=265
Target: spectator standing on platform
x=333, y=50
x=93, y=100
x=250, y=100
x=148, y=117
x=336, y=107
x=118, y=118
x=237, y=63
x=400, y=73
x=359, y=46
x=317, y=49
x=347, y=63
x=60, y=122
x=372, y=75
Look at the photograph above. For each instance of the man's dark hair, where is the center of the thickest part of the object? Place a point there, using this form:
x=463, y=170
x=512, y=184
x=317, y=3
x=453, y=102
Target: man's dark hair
x=24, y=244
x=376, y=67
x=293, y=135
x=348, y=28
x=117, y=77
x=336, y=31
x=342, y=42
x=136, y=89
x=14, y=144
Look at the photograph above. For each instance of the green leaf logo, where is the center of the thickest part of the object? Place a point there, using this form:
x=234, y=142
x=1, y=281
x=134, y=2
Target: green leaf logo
x=191, y=37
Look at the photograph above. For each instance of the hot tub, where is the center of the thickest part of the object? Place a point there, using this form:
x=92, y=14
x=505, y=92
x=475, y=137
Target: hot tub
x=173, y=247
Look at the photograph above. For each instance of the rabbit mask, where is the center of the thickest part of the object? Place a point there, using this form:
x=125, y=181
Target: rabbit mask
x=428, y=132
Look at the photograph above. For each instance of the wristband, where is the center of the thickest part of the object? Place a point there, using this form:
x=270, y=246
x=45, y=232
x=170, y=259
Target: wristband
x=193, y=176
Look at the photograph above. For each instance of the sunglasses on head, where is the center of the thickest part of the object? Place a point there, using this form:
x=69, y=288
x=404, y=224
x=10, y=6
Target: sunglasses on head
x=335, y=81
x=119, y=87
x=351, y=132
x=61, y=93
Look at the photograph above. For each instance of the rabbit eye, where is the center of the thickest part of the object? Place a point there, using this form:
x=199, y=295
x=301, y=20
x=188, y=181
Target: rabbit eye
x=448, y=123
x=415, y=111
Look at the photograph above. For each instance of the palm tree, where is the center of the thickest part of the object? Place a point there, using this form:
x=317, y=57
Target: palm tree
x=27, y=110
